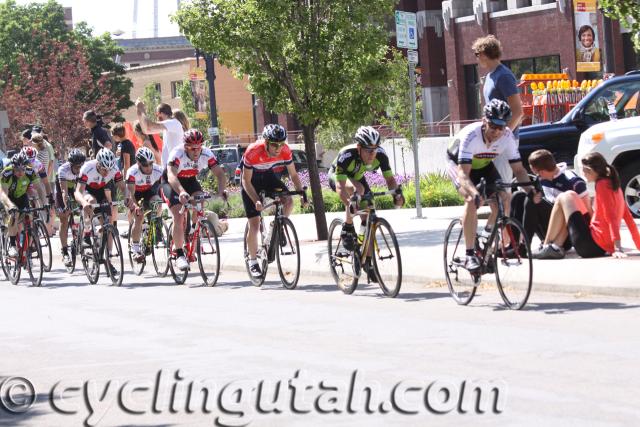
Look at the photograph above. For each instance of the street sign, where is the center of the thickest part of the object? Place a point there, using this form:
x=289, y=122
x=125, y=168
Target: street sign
x=214, y=132
x=412, y=56
x=406, y=30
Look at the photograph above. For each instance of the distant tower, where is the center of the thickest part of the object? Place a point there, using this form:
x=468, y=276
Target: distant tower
x=135, y=18
x=155, y=18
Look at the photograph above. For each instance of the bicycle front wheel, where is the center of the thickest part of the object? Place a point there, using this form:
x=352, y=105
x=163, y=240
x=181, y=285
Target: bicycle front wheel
x=159, y=253
x=73, y=247
x=513, y=263
x=344, y=265
x=113, y=256
x=461, y=283
x=386, y=258
x=33, y=254
x=4, y=261
x=261, y=256
x=12, y=267
x=178, y=276
x=288, y=254
x=208, y=253
x=136, y=267
x=45, y=245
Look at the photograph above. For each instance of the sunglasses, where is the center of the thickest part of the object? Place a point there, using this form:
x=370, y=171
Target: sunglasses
x=369, y=150
x=276, y=144
x=495, y=127
x=192, y=147
x=145, y=164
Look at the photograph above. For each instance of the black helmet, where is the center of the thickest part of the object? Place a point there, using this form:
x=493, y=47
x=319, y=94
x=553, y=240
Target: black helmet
x=76, y=157
x=274, y=133
x=367, y=136
x=20, y=160
x=497, y=112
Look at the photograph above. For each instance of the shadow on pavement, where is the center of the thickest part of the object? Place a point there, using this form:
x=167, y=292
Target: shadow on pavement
x=565, y=307
x=420, y=238
x=10, y=419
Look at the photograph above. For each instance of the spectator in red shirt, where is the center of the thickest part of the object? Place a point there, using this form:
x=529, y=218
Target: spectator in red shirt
x=599, y=234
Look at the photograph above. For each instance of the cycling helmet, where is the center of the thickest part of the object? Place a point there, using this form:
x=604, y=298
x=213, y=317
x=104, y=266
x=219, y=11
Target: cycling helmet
x=30, y=152
x=366, y=136
x=144, y=156
x=19, y=160
x=497, y=112
x=76, y=157
x=274, y=133
x=193, y=137
x=106, y=158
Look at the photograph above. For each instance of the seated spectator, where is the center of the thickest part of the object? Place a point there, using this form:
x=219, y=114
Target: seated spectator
x=534, y=210
x=595, y=236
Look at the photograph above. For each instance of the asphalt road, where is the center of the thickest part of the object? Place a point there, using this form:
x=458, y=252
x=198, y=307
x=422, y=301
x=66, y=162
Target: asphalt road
x=141, y=354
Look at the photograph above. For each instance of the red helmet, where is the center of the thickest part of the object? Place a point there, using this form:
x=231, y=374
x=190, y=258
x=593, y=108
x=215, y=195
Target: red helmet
x=193, y=137
x=30, y=152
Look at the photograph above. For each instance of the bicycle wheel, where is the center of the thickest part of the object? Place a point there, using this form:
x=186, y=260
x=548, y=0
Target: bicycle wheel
x=33, y=254
x=288, y=254
x=72, y=248
x=12, y=267
x=513, y=264
x=136, y=267
x=4, y=242
x=208, y=253
x=159, y=253
x=386, y=258
x=261, y=255
x=88, y=256
x=113, y=256
x=45, y=244
x=178, y=276
x=461, y=283
x=344, y=265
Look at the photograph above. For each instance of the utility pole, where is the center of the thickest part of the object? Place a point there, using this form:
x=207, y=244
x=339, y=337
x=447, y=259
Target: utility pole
x=214, y=132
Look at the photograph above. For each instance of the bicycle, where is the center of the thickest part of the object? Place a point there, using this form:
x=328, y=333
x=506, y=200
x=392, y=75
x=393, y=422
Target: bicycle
x=201, y=243
x=40, y=222
x=29, y=252
x=76, y=238
x=505, y=252
x=282, y=231
x=379, y=240
x=153, y=241
x=100, y=252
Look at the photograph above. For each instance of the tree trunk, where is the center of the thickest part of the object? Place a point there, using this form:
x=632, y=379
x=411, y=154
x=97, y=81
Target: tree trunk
x=314, y=178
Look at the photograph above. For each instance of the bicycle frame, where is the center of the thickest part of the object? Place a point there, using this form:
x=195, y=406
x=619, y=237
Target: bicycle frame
x=191, y=238
x=279, y=214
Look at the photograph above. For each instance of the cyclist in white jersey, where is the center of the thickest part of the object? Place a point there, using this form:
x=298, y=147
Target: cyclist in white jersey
x=471, y=158
x=65, y=187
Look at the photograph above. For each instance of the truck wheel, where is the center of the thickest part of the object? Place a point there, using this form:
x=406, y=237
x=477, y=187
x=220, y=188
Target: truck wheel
x=630, y=182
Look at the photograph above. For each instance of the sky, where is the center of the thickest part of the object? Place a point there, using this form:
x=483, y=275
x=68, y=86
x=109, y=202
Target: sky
x=112, y=15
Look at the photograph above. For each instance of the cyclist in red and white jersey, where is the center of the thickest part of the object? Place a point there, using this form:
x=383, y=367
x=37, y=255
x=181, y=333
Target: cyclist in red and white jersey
x=260, y=163
x=181, y=182
x=143, y=181
x=66, y=181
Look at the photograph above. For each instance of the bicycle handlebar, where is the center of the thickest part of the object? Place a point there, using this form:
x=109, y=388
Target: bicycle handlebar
x=193, y=200
x=284, y=193
x=501, y=186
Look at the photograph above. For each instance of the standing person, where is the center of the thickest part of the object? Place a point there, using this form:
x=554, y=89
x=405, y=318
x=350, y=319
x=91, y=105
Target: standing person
x=183, y=119
x=148, y=141
x=125, y=152
x=500, y=83
x=168, y=125
x=99, y=136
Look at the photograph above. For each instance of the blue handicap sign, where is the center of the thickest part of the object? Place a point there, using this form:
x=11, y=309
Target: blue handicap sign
x=411, y=33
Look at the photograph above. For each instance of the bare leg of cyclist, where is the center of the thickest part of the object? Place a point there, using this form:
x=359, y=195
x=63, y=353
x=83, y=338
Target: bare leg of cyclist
x=64, y=227
x=252, y=236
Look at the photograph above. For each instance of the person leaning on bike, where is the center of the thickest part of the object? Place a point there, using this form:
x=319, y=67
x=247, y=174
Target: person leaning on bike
x=15, y=181
x=346, y=175
x=143, y=180
x=68, y=174
x=471, y=156
x=181, y=183
x=262, y=160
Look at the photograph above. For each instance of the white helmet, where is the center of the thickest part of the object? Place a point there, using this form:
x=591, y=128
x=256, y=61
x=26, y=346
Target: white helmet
x=106, y=158
x=367, y=136
x=145, y=156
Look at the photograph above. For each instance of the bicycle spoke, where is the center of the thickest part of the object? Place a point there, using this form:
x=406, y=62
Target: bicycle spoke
x=461, y=283
x=288, y=254
x=208, y=253
x=513, y=264
x=386, y=258
x=344, y=265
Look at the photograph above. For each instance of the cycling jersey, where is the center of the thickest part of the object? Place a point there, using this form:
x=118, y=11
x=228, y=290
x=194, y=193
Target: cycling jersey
x=66, y=175
x=348, y=164
x=37, y=166
x=18, y=186
x=188, y=168
x=90, y=176
x=258, y=159
x=468, y=147
x=142, y=181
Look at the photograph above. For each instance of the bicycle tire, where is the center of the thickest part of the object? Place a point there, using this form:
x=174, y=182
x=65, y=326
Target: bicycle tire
x=178, y=276
x=43, y=235
x=136, y=267
x=13, y=265
x=339, y=257
x=72, y=248
x=286, y=233
x=160, y=246
x=35, y=274
x=208, y=233
x=383, y=248
x=522, y=279
x=459, y=281
x=261, y=255
x=115, y=252
x=89, y=257
x=3, y=254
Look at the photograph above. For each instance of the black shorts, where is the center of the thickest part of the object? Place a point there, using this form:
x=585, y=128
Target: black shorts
x=586, y=247
x=171, y=198
x=490, y=174
x=59, y=203
x=146, y=196
x=261, y=181
x=363, y=181
x=98, y=193
x=21, y=202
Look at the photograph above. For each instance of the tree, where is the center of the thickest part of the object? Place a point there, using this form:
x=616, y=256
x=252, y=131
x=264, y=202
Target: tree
x=316, y=59
x=628, y=13
x=187, y=106
x=151, y=96
x=54, y=92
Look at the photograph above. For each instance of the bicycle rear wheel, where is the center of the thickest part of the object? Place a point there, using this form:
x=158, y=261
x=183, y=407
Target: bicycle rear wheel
x=261, y=255
x=45, y=244
x=344, y=265
x=11, y=266
x=386, y=258
x=33, y=254
x=136, y=267
x=288, y=253
x=461, y=283
x=513, y=264
x=178, y=276
x=88, y=256
x=208, y=253
x=159, y=252
x=113, y=256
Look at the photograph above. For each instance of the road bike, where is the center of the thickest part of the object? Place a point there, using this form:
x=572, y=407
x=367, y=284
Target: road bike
x=377, y=253
x=39, y=222
x=153, y=241
x=76, y=238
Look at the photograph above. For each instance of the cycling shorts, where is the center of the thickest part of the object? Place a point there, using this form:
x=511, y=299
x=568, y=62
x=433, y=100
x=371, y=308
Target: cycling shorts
x=261, y=181
x=172, y=198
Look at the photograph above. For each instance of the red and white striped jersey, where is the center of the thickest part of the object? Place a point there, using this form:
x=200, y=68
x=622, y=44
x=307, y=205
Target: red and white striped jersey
x=89, y=175
x=142, y=181
x=188, y=168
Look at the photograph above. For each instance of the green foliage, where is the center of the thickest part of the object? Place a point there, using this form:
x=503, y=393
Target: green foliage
x=151, y=96
x=628, y=13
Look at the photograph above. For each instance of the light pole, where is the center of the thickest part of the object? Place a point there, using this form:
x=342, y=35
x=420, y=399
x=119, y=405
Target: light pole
x=209, y=61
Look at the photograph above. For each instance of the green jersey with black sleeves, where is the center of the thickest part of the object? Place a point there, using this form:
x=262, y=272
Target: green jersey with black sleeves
x=17, y=187
x=348, y=164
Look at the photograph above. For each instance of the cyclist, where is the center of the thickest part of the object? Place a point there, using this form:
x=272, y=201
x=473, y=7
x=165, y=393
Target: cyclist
x=260, y=163
x=181, y=182
x=346, y=175
x=15, y=181
x=471, y=156
x=68, y=174
x=93, y=187
x=143, y=181
x=32, y=154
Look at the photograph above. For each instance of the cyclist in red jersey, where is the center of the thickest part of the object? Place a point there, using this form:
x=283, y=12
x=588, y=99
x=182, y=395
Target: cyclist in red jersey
x=262, y=160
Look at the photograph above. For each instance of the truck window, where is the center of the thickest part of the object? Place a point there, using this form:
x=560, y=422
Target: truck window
x=623, y=95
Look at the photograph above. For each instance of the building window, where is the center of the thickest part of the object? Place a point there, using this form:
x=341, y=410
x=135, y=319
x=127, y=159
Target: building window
x=541, y=64
x=159, y=88
x=175, y=88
